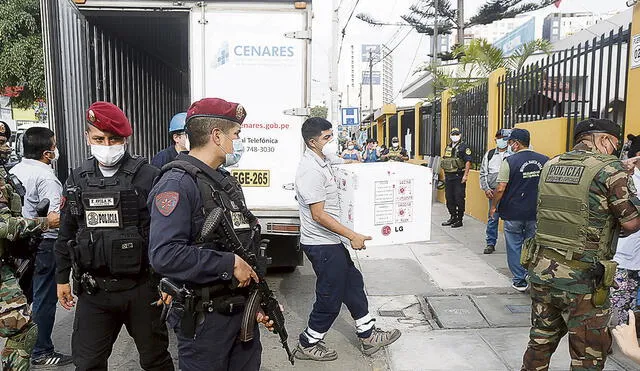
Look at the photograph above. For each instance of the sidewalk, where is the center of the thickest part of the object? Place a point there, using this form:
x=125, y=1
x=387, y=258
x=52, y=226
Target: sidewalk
x=476, y=320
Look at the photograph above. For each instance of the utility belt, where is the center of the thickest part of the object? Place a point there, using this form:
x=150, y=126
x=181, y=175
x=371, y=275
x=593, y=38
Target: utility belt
x=91, y=284
x=193, y=303
x=602, y=272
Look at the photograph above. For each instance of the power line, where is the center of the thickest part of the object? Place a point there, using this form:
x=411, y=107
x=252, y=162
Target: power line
x=344, y=30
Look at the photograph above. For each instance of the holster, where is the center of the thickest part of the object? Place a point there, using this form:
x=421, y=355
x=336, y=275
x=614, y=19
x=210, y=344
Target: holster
x=604, y=278
x=529, y=252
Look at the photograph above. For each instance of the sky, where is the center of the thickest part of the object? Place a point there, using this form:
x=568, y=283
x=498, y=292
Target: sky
x=411, y=51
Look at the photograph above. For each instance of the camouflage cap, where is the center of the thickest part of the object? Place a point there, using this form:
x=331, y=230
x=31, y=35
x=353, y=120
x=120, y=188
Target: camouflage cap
x=595, y=125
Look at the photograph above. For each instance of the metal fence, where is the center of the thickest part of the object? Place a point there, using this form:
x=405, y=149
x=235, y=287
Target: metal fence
x=587, y=80
x=430, y=126
x=468, y=112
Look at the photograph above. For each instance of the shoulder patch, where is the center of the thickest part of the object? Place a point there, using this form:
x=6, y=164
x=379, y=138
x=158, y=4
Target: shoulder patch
x=467, y=151
x=166, y=202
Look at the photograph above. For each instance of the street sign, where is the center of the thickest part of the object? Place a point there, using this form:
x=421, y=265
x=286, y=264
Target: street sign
x=635, y=51
x=351, y=116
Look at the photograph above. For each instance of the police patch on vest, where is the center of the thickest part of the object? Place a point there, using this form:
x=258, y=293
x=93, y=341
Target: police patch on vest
x=101, y=202
x=565, y=174
x=102, y=218
x=239, y=220
x=467, y=151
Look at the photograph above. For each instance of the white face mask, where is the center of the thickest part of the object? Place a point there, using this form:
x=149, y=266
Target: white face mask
x=350, y=147
x=395, y=144
x=330, y=149
x=231, y=159
x=56, y=155
x=455, y=138
x=108, y=155
x=501, y=143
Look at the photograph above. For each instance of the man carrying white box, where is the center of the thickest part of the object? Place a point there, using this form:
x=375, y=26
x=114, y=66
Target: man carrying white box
x=338, y=280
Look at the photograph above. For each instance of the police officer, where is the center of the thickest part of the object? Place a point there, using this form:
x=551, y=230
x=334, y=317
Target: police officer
x=179, y=139
x=16, y=324
x=583, y=195
x=191, y=188
x=396, y=153
x=104, y=237
x=456, y=164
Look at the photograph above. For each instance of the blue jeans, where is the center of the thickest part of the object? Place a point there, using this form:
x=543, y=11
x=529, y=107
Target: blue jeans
x=338, y=282
x=515, y=232
x=44, y=297
x=492, y=227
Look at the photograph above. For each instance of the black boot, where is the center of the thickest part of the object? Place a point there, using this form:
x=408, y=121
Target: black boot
x=457, y=223
x=452, y=219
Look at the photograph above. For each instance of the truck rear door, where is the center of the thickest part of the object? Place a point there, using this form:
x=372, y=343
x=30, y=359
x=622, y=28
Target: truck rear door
x=239, y=52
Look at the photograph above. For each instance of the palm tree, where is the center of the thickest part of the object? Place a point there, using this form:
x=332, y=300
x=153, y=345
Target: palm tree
x=478, y=60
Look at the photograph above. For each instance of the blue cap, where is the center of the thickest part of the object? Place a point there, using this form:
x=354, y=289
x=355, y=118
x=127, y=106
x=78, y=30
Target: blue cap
x=521, y=135
x=177, y=122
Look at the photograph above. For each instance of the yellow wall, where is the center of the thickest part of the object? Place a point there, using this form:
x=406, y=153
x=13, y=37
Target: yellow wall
x=632, y=117
x=548, y=137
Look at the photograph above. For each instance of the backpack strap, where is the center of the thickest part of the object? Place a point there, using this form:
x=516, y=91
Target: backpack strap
x=490, y=154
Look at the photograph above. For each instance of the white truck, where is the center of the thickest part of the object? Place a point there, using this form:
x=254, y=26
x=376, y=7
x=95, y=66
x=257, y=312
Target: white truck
x=152, y=58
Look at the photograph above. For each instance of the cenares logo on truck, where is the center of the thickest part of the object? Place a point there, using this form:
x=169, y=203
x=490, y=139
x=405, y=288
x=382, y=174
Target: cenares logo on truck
x=263, y=51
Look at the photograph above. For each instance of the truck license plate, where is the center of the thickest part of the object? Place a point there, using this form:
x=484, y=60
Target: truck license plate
x=252, y=178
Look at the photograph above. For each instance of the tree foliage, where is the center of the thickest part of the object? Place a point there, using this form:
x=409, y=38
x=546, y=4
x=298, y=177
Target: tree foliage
x=478, y=60
x=319, y=111
x=422, y=17
x=495, y=10
x=22, y=66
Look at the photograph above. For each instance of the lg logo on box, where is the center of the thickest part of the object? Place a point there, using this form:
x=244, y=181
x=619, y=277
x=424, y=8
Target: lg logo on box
x=386, y=230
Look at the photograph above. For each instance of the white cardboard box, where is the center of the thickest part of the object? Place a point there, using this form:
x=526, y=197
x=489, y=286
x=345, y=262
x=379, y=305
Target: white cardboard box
x=389, y=201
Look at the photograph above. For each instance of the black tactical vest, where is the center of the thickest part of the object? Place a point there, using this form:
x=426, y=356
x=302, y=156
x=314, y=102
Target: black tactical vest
x=218, y=188
x=109, y=239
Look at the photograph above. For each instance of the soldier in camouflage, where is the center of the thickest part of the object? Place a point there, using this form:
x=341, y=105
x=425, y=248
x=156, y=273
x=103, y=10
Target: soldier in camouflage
x=15, y=315
x=583, y=195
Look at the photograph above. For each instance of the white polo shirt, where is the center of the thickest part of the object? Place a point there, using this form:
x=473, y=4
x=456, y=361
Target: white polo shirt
x=315, y=183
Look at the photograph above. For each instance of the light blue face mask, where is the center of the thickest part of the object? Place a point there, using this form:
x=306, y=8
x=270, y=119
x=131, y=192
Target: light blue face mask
x=231, y=159
x=501, y=143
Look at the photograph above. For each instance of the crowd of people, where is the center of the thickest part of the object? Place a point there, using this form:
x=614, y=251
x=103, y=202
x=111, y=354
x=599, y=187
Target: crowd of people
x=103, y=241
x=372, y=152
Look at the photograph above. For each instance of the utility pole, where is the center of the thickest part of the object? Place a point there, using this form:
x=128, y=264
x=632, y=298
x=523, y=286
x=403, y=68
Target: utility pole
x=333, y=68
x=461, y=22
x=434, y=40
x=371, y=83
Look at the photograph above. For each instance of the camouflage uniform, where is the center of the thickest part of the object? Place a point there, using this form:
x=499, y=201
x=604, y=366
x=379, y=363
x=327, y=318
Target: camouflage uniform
x=558, y=286
x=15, y=315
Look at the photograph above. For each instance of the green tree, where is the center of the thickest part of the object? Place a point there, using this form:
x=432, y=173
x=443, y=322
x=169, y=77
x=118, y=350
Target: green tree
x=22, y=66
x=319, y=111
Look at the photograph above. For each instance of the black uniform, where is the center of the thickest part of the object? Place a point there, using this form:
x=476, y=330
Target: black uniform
x=179, y=203
x=453, y=163
x=104, y=232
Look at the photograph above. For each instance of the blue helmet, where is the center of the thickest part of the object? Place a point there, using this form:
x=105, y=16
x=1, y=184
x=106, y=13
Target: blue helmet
x=177, y=122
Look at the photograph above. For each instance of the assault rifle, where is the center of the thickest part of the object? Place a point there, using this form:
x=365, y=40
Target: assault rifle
x=260, y=295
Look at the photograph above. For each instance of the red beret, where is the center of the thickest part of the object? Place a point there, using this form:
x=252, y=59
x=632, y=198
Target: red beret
x=219, y=108
x=108, y=117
